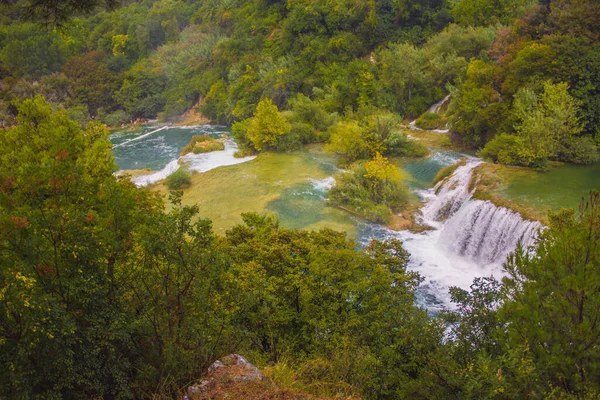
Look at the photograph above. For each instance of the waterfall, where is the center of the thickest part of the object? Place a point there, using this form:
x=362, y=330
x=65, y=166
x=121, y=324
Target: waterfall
x=469, y=238
x=486, y=234
x=436, y=107
x=449, y=194
x=433, y=109
x=476, y=230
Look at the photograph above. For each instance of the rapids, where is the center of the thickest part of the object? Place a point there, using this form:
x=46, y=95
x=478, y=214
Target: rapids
x=469, y=238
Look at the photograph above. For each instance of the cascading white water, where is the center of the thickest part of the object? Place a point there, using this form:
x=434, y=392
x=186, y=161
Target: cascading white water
x=476, y=230
x=449, y=195
x=436, y=107
x=486, y=234
x=470, y=238
x=433, y=109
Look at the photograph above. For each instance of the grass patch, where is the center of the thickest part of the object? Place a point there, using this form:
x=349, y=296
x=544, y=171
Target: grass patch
x=179, y=179
x=202, y=144
x=447, y=171
x=431, y=120
x=436, y=140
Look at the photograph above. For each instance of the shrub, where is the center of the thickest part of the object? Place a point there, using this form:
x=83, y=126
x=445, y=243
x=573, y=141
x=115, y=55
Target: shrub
x=375, y=192
x=179, y=179
x=349, y=141
x=508, y=150
x=431, y=120
x=580, y=150
x=202, y=144
x=117, y=118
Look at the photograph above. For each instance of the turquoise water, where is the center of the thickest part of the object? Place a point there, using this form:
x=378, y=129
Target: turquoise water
x=422, y=171
x=157, y=149
x=561, y=187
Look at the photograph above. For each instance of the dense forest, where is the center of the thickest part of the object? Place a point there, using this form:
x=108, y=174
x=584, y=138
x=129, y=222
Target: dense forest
x=106, y=292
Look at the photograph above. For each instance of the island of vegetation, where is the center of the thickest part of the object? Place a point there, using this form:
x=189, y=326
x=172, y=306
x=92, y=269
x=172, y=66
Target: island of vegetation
x=106, y=291
x=202, y=144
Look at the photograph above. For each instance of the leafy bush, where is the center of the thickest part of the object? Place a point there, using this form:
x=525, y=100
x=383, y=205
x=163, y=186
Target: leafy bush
x=310, y=112
x=431, y=120
x=349, y=141
x=580, y=150
x=116, y=118
x=202, y=144
x=508, y=150
x=179, y=179
x=372, y=190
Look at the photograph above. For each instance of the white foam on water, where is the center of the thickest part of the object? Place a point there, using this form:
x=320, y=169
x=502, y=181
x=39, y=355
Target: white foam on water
x=323, y=185
x=206, y=161
x=140, y=137
x=470, y=238
x=145, y=180
x=195, y=162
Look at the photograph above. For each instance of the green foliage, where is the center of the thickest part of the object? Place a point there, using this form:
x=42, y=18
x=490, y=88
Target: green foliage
x=141, y=94
x=349, y=140
x=546, y=127
x=117, y=118
x=266, y=127
x=488, y=12
x=547, y=121
x=65, y=223
x=372, y=190
x=28, y=50
x=179, y=179
x=507, y=149
x=92, y=82
x=430, y=120
x=578, y=150
x=475, y=111
x=202, y=144
x=552, y=301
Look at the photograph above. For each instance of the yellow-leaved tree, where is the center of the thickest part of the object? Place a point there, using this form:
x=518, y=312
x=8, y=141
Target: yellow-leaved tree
x=266, y=126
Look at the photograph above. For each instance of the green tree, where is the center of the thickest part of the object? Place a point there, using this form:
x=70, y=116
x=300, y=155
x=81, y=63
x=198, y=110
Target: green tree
x=93, y=83
x=476, y=112
x=552, y=301
x=349, y=140
x=66, y=224
x=488, y=12
x=267, y=126
x=546, y=121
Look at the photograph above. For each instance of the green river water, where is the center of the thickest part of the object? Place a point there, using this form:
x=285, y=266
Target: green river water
x=293, y=187
x=560, y=187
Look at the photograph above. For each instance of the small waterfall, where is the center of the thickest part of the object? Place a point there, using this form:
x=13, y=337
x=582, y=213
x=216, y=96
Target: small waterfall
x=433, y=109
x=476, y=230
x=470, y=238
x=436, y=107
x=449, y=194
x=486, y=234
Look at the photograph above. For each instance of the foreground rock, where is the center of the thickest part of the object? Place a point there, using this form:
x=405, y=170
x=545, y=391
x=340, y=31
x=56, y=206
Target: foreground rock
x=233, y=377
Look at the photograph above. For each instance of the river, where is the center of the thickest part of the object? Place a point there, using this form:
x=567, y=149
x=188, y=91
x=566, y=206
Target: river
x=469, y=238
